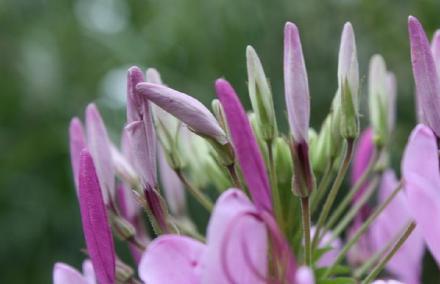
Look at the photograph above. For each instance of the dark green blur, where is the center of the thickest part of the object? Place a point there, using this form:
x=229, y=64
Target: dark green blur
x=56, y=54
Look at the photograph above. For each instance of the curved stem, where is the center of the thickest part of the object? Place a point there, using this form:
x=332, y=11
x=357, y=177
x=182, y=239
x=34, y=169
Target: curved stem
x=361, y=231
x=334, y=190
x=200, y=196
x=380, y=266
x=318, y=194
x=352, y=192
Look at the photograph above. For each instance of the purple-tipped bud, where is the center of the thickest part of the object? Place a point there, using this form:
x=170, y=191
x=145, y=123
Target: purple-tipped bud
x=98, y=144
x=134, y=102
x=153, y=76
x=185, y=108
x=245, y=145
x=96, y=228
x=296, y=85
x=77, y=144
x=425, y=75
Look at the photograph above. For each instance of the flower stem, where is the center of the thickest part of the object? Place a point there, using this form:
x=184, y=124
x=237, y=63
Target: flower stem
x=274, y=184
x=305, y=210
x=200, y=196
x=380, y=266
x=234, y=176
x=361, y=231
x=349, y=197
x=318, y=194
x=334, y=190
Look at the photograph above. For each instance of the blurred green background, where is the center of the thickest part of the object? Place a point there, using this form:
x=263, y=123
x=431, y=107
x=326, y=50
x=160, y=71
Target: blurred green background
x=58, y=55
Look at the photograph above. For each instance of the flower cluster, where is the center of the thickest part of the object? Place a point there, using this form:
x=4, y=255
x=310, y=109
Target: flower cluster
x=280, y=215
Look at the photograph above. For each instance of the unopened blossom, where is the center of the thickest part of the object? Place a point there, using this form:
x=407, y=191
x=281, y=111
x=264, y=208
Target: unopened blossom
x=96, y=228
x=77, y=144
x=245, y=145
x=425, y=75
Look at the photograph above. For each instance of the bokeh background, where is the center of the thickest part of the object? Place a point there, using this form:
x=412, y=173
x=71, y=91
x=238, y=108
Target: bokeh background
x=58, y=55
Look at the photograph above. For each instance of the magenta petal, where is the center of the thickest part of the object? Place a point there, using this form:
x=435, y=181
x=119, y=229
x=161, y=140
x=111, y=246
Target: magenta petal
x=425, y=75
x=172, y=259
x=96, y=228
x=98, y=144
x=77, y=144
x=236, y=242
x=66, y=274
x=362, y=156
x=296, y=85
x=407, y=262
x=245, y=145
x=185, y=108
x=420, y=168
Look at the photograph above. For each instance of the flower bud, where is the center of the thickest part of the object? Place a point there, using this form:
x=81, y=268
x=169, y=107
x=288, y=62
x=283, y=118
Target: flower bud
x=123, y=272
x=260, y=95
x=321, y=149
x=283, y=162
x=378, y=100
x=348, y=77
x=219, y=113
x=122, y=228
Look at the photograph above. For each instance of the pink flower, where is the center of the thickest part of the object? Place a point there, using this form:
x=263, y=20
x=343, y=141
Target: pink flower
x=66, y=274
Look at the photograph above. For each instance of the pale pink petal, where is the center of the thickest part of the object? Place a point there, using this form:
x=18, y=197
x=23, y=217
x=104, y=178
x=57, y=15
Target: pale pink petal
x=329, y=257
x=435, y=47
x=296, y=85
x=134, y=102
x=98, y=144
x=94, y=218
x=66, y=274
x=89, y=272
x=348, y=69
x=236, y=242
x=362, y=156
x=172, y=259
x=420, y=168
x=304, y=275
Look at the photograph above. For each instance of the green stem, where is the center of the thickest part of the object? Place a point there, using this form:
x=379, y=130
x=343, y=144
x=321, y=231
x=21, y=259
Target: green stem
x=305, y=210
x=318, y=194
x=234, y=176
x=361, y=231
x=275, y=191
x=355, y=189
x=334, y=190
x=381, y=265
x=354, y=210
x=200, y=196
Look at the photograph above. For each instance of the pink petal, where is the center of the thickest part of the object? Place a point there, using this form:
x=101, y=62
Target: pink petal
x=425, y=75
x=245, y=145
x=89, y=272
x=304, y=275
x=98, y=144
x=435, y=47
x=236, y=242
x=348, y=64
x=420, y=168
x=96, y=228
x=329, y=257
x=77, y=144
x=172, y=259
x=153, y=76
x=296, y=85
x=66, y=274
x=185, y=108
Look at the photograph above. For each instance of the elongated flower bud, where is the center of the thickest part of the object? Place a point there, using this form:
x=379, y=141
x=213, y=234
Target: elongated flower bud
x=348, y=77
x=391, y=85
x=245, y=145
x=98, y=144
x=96, y=229
x=425, y=75
x=435, y=48
x=296, y=85
x=378, y=99
x=185, y=108
x=134, y=102
x=77, y=144
x=260, y=95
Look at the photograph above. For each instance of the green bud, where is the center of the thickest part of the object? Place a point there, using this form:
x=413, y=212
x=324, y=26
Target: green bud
x=378, y=100
x=260, y=95
x=283, y=162
x=123, y=272
x=122, y=228
x=219, y=114
x=349, y=120
x=322, y=149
